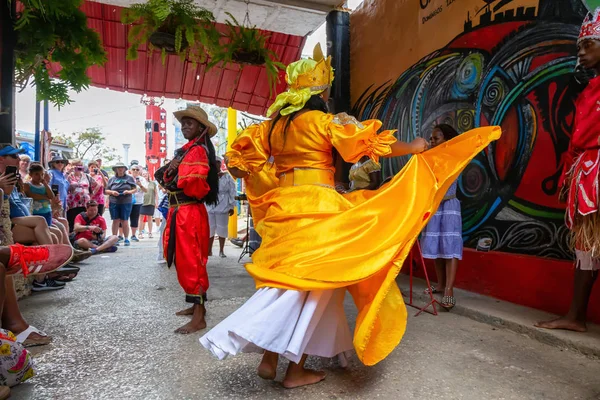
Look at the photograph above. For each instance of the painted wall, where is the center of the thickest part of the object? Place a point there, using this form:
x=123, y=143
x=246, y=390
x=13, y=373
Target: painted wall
x=470, y=63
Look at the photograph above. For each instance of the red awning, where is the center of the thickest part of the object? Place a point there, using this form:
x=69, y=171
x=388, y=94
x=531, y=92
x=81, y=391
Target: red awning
x=245, y=89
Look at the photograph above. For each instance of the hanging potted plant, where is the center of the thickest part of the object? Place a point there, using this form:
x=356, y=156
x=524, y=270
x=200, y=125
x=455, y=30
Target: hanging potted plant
x=55, y=31
x=171, y=26
x=247, y=46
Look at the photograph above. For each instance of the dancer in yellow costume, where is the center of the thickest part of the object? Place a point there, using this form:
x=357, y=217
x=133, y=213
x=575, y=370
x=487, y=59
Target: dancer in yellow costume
x=316, y=243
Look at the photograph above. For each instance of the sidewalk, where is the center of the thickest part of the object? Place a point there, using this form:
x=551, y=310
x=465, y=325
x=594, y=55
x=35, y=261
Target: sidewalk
x=506, y=315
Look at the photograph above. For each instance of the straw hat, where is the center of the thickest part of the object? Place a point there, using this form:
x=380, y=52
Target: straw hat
x=197, y=113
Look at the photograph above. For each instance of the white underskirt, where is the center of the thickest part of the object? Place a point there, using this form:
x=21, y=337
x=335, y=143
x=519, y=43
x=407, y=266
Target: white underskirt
x=286, y=322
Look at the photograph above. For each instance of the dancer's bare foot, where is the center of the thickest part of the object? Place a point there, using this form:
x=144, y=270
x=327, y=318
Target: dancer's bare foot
x=296, y=377
x=197, y=323
x=187, y=311
x=268, y=366
x=563, y=323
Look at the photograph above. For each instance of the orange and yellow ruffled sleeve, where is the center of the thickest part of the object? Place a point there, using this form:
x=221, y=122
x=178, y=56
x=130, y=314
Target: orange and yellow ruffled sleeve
x=250, y=150
x=354, y=139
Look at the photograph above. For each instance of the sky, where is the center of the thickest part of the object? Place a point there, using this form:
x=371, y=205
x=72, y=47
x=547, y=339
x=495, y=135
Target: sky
x=120, y=116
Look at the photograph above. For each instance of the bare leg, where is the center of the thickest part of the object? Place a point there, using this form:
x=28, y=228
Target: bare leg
x=197, y=323
x=54, y=238
x=12, y=319
x=126, y=229
x=25, y=235
x=451, y=268
x=221, y=246
x=440, y=272
x=38, y=224
x=575, y=320
x=85, y=244
x=297, y=375
x=268, y=365
x=108, y=243
x=140, y=224
x=64, y=232
x=115, y=226
x=64, y=223
x=187, y=311
x=211, y=240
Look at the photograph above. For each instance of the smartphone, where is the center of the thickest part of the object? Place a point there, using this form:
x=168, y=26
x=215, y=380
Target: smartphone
x=10, y=170
x=55, y=190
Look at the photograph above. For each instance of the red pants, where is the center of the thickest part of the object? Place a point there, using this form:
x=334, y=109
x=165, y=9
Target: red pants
x=191, y=248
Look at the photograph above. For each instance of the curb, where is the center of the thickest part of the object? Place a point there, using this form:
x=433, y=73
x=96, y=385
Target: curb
x=509, y=316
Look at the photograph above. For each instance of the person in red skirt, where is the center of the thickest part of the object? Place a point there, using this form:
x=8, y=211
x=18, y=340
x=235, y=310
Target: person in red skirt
x=191, y=181
x=580, y=181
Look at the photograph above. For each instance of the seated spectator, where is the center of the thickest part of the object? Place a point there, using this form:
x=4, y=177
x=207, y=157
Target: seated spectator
x=90, y=230
x=12, y=319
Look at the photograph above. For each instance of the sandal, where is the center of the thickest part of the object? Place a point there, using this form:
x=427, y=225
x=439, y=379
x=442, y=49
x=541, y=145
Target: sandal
x=432, y=289
x=448, y=302
x=24, y=339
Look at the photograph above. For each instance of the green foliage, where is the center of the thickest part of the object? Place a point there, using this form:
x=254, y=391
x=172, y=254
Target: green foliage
x=90, y=144
x=55, y=31
x=247, y=45
x=193, y=28
x=190, y=25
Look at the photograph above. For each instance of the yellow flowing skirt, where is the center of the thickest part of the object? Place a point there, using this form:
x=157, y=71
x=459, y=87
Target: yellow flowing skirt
x=314, y=238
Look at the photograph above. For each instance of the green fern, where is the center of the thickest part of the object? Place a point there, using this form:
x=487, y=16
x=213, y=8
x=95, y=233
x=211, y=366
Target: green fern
x=180, y=18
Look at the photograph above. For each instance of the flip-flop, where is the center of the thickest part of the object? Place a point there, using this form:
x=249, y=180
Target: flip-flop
x=24, y=339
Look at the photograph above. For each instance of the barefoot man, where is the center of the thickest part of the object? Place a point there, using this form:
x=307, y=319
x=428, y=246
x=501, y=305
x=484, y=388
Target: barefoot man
x=191, y=181
x=580, y=177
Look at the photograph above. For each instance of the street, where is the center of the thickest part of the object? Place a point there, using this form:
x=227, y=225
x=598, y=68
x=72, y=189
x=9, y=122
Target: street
x=113, y=339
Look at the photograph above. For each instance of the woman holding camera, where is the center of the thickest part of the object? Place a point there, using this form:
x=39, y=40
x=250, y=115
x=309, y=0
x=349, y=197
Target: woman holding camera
x=120, y=188
x=101, y=181
x=81, y=187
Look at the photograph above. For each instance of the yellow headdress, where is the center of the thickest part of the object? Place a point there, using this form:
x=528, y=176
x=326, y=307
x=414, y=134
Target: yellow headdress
x=304, y=78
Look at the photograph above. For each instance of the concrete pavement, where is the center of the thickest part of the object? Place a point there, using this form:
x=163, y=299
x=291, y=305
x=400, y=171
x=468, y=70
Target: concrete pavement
x=113, y=339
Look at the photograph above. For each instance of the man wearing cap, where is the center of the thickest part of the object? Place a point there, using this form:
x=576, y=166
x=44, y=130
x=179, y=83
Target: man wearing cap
x=90, y=230
x=58, y=180
x=191, y=181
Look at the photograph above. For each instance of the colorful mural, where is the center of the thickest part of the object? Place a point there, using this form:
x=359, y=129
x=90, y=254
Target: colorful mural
x=511, y=66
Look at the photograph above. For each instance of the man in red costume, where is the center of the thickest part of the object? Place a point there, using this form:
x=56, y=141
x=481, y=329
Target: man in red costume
x=580, y=178
x=191, y=181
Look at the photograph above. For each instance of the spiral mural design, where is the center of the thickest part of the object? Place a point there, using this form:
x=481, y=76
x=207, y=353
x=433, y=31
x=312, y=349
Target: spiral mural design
x=520, y=80
x=494, y=93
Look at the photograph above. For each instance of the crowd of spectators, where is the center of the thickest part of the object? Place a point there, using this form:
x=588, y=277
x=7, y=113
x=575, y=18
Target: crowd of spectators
x=50, y=221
